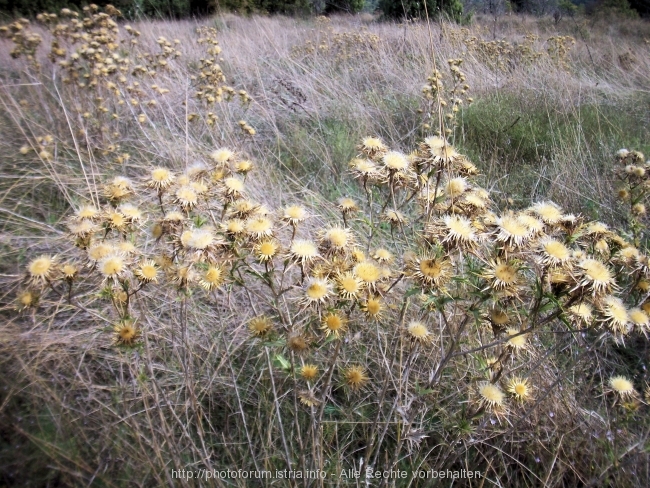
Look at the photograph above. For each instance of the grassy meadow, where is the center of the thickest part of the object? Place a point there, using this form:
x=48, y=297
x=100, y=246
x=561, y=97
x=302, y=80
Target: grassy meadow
x=268, y=243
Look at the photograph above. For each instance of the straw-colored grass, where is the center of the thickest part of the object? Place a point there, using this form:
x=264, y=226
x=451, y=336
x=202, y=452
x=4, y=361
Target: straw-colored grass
x=201, y=389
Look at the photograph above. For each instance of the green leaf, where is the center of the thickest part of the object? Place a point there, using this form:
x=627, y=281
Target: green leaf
x=281, y=362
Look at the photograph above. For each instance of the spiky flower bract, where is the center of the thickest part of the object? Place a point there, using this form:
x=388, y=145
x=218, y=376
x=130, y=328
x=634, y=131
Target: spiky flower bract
x=303, y=251
x=294, y=214
x=373, y=308
x=161, y=178
x=260, y=326
x=615, y=315
x=502, y=276
x=355, y=377
x=547, y=211
x=213, y=277
x=349, y=286
x=368, y=273
x=42, y=268
x=430, y=271
x=596, y=277
x=316, y=291
x=126, y=333
x=259, y=228
x=113, y=266
x=147, y=271
x=490, y=396
x=334, y=323
x=418, y=331
x=309, y=372
x=519, y=388
x=517, y=341
x=622, y=387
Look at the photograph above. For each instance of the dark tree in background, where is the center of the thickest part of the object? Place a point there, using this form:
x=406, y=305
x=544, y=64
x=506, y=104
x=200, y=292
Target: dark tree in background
x=415, y=9
x=395, y=9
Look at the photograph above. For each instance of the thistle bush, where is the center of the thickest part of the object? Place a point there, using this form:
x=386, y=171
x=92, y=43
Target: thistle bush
x=413, y=326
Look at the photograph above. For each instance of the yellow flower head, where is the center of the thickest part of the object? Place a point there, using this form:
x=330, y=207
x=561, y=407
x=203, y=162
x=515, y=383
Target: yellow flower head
x=294, y=214
x=26, y=299
x=131, y=212
x=113, y=266
x=243, y=167
x=368, y=273
x=596, y=277
x=266, y=250
x=419, y=331
x=395, y=161
x=186, y=197
x=534, y=225
x=199, y=239
x=303, y=251
x=519, y=389
x=349, y=286
x=87, y=212
x=582, y=312
x=147, y=271
x=347, y=205
x=336, y=239
x=455, y=187
x=554, y=253
x=363, y=168
x=517, y=342
x=430, y=271
x=126, y=333
x=490, y=396
x=547, y=211
x=161, y=178
x=459, y=231
x=511, y=231
x=372, y=145
x=355, y=377
x=623, y=387
x=259, y=228
x=307, y=398
x=233, y=188
x=639, y=319
x=615, y=315
x=42, y=268
x=373, y=308
x=502, y=276
x=316, y=291
x=222, y=156
x=234, y=227
x=499, y=318
x=309, y=372
x=334, y=323
x=394, y=217
x=260, y=326
x=69, y=271
x=213, y=277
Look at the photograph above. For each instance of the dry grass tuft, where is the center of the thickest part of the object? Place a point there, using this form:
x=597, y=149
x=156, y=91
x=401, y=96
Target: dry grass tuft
x=260, y=243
